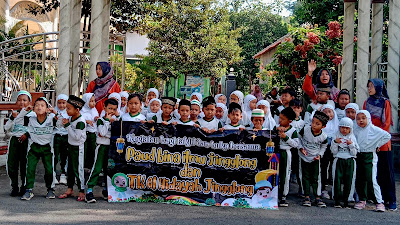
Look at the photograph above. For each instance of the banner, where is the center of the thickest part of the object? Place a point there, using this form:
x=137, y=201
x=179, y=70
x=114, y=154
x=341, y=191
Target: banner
x=183, y=165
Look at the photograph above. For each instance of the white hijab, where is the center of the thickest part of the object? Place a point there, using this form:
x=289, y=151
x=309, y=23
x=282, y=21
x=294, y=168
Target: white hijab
x=369, y=136
x=269, y=122
x=225, y=115
x=347, y=122
x=198, y=95
x=217, y=97
x=240, y=96
x=87, y=112
x=63, y=113
x=332, y=127
x=246, y=104
x=155, y=91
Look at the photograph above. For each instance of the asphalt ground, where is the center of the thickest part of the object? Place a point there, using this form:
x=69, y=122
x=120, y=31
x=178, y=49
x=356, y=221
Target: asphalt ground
x=40, y=210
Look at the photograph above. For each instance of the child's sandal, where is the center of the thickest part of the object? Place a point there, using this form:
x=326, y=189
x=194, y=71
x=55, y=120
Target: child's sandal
x=65, y=195
x=81, y=197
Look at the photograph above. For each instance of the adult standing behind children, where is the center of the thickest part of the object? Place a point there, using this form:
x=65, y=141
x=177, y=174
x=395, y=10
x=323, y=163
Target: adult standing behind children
x=103, y=85
x=378, y=105
x=324, y=79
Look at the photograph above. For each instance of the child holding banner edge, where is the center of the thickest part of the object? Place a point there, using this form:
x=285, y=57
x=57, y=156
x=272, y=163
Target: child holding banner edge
x=103, y=144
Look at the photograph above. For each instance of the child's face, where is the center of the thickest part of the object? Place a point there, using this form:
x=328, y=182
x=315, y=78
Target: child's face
x=184, y=112
x=235, y=116
x=325, y=78
x=343, y=100
x=209, y=112
x=23, y=101
x=194, y=111
x=234, y=98
x=316, y=126
x=71, y=110
x=61, y=104
x=253, y=104
x=123, y=101
x=92, y=102
x=99, y=71
x=297, y=110
x=222, y=99
x=263, y=108
x=219, y=112
x=344, y=130
x=111, y=109
x=154, y=106
x=322, y=97
x=329, y=112
x=284, y=121
x=257, y=122
x=151, y=95
x=40, y=107
x=134, y=105
x=286, y=98
x=371, y=89
x=351, y=113
x=362, y=120
x=167, y=109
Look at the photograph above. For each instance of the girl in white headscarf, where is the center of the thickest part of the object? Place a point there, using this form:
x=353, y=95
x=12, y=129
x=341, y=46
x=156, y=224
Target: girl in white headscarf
x=269, y=122
x=344, y=149
x=124, y=101
x=220, y=98
x=221, y=113
x=351, y=110
x=154, y=108
x=151, y=93
x=250, y=102
x=61, y=137
x=196, y=96
x=90, y=114
x=369, y=138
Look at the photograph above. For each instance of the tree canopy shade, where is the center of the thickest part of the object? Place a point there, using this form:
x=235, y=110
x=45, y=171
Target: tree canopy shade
x=192, y=37
x=317, y=12
x=260, y=28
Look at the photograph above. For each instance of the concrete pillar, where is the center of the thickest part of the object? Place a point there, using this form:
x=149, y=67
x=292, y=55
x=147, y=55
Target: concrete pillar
x=96, y=35
x=376, y=42
x=63, y=75
x=348, y=47
x=76, y=8
x=364, y=18
x=4, y=12
x=394, y=60
x=106, y=30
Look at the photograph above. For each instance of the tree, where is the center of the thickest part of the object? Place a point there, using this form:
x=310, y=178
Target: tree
x=317, y=12
x=260, y=28
x=192, y=37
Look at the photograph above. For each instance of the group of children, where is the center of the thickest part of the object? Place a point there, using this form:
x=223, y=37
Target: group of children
x=332, y=135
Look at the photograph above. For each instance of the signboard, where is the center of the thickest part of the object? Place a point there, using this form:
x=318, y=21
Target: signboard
x=197, y=83
x=182, y=165
x=186, y=90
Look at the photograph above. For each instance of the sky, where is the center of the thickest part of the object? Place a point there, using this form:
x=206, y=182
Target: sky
x=284, y=11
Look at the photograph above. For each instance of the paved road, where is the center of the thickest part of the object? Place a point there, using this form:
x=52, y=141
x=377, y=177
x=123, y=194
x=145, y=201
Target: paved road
x=68, y=211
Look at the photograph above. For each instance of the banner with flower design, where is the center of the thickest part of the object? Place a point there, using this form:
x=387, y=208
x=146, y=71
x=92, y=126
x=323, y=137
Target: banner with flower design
x=182, y=165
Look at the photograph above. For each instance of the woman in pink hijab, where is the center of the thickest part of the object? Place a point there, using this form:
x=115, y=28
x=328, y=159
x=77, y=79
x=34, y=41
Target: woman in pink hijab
x=257, y=92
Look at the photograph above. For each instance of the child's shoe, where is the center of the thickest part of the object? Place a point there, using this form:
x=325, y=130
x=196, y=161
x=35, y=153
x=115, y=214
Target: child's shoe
x=105, y=194
x=63, y=179
x=28, y=195
x=307, y=202
x=320, y=203
x=380, y=207
x=90, y=198
x=346, y=205
x=14, y=192
x=325, y=194
x=360, y=205
x=392, y=206
x=283, y=202
x=337, y=205
x=50, y=194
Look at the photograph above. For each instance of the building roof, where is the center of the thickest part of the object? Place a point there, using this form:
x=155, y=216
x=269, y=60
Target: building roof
x=270, y=47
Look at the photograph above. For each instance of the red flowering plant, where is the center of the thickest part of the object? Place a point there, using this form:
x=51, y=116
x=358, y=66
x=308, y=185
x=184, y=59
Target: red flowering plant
x=324, y=45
